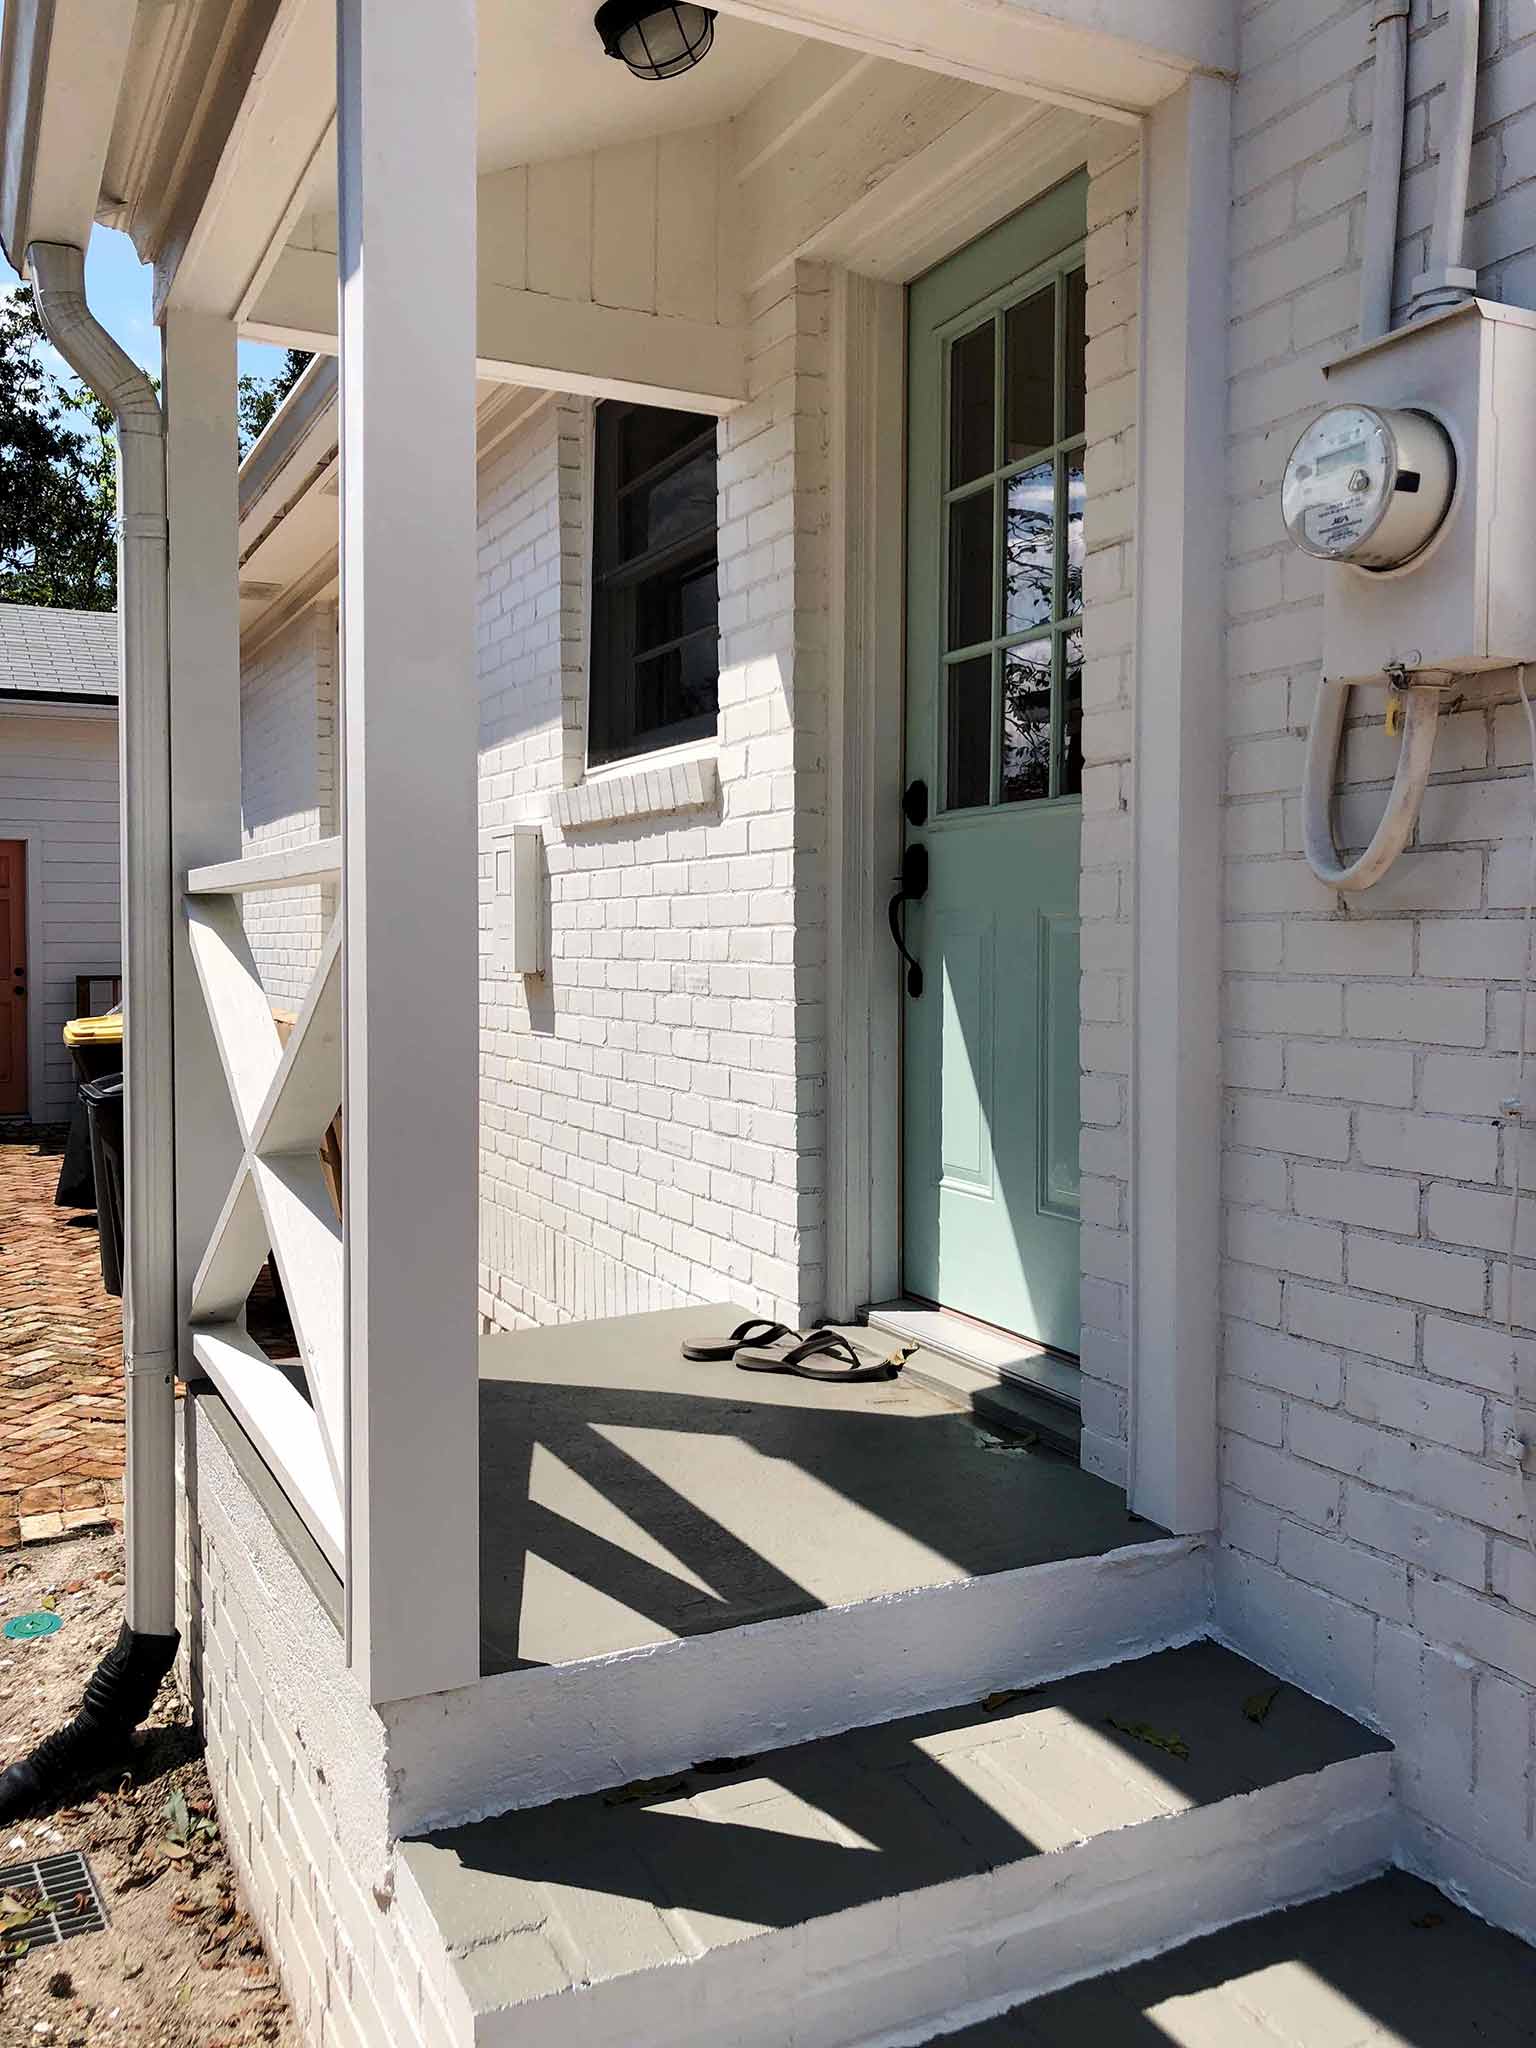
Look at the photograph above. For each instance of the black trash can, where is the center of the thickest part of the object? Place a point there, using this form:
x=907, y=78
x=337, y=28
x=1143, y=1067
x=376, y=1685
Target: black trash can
x=103, y=1102
x=77, y=1183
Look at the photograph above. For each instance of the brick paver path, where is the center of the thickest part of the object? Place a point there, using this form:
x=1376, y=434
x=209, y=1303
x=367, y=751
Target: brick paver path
x=61, y=1361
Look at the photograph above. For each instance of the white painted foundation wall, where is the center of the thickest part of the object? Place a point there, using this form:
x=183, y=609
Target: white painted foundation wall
x=58, y=781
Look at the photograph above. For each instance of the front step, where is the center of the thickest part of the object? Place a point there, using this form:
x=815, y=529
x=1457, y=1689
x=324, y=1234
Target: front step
x=869, y=1886
x=523, y=1738
x=1392, y=1961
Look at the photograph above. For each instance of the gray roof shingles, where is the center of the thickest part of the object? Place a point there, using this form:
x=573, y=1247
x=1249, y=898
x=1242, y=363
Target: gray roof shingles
x=53, y=653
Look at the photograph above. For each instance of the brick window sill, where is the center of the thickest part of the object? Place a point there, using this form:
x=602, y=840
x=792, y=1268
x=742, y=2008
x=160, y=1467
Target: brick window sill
x=639, y=792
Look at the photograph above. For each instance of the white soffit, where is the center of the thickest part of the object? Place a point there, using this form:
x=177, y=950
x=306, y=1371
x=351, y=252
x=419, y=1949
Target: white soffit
x=547, y=89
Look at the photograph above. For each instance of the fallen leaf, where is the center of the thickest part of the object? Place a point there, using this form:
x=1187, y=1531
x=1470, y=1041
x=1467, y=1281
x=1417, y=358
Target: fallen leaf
x=1257, y=1705
x=176, y=1849
x=1143, y=1731
x=641, y=1791
x=995, y=1702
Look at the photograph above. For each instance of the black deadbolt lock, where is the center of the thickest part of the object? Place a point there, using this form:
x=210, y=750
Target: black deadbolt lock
x=914, y=803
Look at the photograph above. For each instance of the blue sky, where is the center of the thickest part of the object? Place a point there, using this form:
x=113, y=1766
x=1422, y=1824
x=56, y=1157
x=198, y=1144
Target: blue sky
x=119, y=288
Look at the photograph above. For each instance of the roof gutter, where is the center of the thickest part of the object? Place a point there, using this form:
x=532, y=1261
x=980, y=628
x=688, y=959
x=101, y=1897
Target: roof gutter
x=125, y=1682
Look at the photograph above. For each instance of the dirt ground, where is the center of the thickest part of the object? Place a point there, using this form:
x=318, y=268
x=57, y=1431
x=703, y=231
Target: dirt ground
x=179, y=1965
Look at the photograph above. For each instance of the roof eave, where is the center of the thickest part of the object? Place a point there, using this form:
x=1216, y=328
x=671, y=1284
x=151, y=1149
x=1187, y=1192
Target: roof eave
x=61, y=70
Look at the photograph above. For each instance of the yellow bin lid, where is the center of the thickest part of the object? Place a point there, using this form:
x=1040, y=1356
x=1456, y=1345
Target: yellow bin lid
x=95, y=1030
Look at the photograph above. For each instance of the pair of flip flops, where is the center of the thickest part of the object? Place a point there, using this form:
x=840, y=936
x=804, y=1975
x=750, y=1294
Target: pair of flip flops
x=761, y=1345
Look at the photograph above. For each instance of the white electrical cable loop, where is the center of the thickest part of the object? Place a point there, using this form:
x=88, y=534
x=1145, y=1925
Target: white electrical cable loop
x=1420, y=721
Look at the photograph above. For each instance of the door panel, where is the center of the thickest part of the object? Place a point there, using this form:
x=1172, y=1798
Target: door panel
x=994, y=717
x=13, y=977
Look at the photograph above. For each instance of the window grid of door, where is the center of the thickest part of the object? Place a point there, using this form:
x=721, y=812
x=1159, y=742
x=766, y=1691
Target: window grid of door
x=1012, y=547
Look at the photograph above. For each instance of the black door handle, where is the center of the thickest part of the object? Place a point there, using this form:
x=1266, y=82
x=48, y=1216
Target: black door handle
x=914, y=887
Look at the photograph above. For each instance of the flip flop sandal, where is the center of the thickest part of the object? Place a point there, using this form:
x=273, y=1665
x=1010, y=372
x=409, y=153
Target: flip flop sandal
x=852, y=1364
x=759, y=1332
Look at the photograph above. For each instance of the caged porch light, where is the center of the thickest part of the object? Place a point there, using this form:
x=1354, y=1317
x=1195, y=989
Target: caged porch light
x=656, y=42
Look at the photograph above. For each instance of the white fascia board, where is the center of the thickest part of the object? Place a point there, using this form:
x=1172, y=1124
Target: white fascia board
x=61, y=70
x=285, y=120
x=536, y=340
x=1106, y=56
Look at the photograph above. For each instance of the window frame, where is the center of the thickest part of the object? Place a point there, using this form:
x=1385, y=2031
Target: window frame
x=613, y=662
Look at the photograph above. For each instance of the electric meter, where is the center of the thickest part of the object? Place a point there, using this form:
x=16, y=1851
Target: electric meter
x=1368, y=485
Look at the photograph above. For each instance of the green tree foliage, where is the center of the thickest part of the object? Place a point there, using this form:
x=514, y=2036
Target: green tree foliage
x=58, y=476
x=261, y=396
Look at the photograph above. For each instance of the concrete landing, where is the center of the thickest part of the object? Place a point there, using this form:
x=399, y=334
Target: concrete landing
x=629, y=1497
x=1391, y=1964
x=896, y=1872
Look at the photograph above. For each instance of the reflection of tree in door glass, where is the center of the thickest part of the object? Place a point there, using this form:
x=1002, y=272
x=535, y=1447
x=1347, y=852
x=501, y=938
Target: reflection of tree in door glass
x=1026, y=763
x=1030, y=540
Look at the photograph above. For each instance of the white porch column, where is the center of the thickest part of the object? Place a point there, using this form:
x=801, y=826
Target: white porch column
x=202, y=458
x=406, y=143
x=1180, y=728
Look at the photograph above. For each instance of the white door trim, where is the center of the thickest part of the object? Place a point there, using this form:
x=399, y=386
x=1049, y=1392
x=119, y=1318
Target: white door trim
x=31, y=836
x=1175, y=1093
x=866, y=685
x=1180, y=724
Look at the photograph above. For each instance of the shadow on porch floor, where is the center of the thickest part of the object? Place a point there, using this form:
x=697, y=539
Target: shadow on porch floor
x=628, y=1496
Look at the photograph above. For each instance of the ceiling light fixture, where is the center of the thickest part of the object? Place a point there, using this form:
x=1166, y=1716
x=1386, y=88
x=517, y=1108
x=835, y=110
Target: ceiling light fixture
x=656, y=42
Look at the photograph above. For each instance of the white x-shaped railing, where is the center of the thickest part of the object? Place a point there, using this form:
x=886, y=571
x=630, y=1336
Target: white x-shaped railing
x=284, y=1097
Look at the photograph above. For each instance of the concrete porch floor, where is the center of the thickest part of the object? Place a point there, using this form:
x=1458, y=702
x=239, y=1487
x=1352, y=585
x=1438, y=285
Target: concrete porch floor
x=629, y=1496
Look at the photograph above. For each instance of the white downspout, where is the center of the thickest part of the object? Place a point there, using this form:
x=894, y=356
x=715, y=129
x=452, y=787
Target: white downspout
x=123, y=1687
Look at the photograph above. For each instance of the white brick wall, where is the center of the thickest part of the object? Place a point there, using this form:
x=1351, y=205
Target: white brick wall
x=652, y=1125
x=58, y=780
x=1375, y=1538
x=1105, y=895
x=289, y=792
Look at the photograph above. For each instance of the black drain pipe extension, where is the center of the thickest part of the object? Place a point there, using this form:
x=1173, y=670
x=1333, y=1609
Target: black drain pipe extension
x=124, y=1684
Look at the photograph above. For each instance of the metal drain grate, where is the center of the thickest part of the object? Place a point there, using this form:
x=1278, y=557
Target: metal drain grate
x=64, y=1889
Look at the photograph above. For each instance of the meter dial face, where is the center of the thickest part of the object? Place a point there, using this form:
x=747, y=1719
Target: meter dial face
x=1339, y=482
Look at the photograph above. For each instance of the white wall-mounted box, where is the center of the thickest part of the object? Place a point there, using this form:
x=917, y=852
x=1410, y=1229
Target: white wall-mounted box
x=517, y=900
x=1467, y=603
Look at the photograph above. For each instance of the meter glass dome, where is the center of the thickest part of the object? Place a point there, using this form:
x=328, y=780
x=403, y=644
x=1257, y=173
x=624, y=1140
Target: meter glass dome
x=1339, y=482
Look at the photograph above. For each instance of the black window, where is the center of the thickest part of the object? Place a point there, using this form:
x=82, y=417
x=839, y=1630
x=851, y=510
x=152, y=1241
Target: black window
x=655, y=592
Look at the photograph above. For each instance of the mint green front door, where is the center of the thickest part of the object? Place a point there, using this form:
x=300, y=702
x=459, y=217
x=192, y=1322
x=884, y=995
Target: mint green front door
x=994, y=733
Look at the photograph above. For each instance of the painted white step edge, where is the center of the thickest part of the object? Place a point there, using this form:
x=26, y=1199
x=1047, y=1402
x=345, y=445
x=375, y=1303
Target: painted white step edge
x=895, y=1972
x=524, y=1738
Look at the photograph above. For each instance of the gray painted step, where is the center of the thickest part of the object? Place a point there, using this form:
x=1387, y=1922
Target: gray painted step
x=870, y=1884
x=1391, y=1964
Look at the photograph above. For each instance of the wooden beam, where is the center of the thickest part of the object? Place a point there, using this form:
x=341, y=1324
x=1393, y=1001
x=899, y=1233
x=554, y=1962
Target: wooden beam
x=534, y=339
x=283, y=1426
x=410, y=721
x=1116, y=57
x=204, y=641
x=218, y=259
x=320, y=861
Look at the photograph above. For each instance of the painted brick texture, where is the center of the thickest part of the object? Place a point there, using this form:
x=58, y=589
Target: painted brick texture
x=1105, y=890
x=652, y=1115
x=297, y=1762
x=289, y=792
x=1375, y=1533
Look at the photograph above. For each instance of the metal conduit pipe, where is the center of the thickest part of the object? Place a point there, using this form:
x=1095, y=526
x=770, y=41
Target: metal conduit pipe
x=1447, y=281
x=124, y=1684
x=1384, y=178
